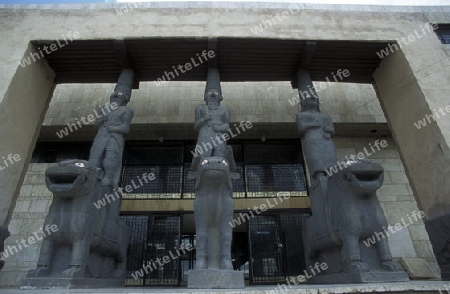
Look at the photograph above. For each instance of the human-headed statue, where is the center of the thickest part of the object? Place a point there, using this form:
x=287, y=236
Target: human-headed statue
x=211, y=121
x=317, y=130
x=113, y=124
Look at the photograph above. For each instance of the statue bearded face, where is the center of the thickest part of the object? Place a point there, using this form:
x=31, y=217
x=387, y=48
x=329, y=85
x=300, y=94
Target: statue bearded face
x=309, y=104
x=119, y=98
x=213, y=98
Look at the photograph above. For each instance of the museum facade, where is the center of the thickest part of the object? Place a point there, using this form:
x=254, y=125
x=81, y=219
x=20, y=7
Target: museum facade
x=381, y=73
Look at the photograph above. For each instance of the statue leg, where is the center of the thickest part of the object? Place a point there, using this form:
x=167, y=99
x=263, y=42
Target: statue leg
x=386, y=257
x=201, y=229
x=43, y=265
x=353, y=254
x=110, y=163
x=226, y=233
x=96, y=156
x=80, y=254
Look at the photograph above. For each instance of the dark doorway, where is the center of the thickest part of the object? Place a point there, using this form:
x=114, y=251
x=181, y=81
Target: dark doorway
x=276, y=246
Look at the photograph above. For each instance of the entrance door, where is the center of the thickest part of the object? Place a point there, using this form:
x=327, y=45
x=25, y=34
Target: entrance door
x=153, y=241
x=276, y=246
x=266, y=250
x=163, y=239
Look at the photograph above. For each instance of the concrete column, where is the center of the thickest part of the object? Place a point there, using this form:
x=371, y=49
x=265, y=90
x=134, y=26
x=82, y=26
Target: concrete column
x=410, y=89
x=22, y=110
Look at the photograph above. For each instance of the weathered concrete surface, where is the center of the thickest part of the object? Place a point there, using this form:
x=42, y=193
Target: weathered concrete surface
x=26, y=95
x=424, y=287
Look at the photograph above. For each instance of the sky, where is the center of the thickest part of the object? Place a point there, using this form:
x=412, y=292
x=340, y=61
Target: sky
x=370, y=2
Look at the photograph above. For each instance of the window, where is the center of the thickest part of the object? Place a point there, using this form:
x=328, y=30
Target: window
x=266, y=169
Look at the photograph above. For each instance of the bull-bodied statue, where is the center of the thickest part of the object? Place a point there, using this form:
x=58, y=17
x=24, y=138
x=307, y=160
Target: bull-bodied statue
x=345, y=209
x=350, y=213
x=213, y=170
x=87, y=243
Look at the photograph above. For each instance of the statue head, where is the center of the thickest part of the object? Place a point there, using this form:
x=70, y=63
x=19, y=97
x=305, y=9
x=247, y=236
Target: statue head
x=310, y=104
x=213, y=91
x=121, y=96
x=122, y=91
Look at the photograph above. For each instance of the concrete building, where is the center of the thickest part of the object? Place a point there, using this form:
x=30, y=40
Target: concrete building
x=398, y=74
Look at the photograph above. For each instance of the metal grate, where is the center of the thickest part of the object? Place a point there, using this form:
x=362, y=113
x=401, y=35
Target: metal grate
x=155, y=155
x=276, y=246
x=266, y=265
x=164, y=237
x=274, y=178
x=153, y=240
x=272, y=153
x=290, y=226
x=167, y=182
x=137, y=225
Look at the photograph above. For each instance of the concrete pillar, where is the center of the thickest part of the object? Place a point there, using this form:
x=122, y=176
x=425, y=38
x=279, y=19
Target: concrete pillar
x=409, y=90
x=22, y=111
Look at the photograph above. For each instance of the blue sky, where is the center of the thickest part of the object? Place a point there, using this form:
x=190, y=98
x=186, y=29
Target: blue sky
x=373, y=2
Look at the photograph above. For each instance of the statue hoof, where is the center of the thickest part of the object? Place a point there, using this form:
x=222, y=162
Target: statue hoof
x=72, y=272
x=201, y=264
x=391, y=266
x=359, y=266
x=226, y=265
x=40, y=271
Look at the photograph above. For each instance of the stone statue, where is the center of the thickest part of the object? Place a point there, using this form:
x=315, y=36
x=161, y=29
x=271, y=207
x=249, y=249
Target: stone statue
x=317, y=131
x=211, y=121
x=213, y=206
x=4, y=234
x=107, y=149
x=351, y=214
x=88, y=249
x=345, y=209
x=90, y=246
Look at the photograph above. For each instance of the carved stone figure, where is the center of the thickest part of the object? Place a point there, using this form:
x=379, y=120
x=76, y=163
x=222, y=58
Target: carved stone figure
x=211, y=120
x=107, y=149
x=90, y=247
x=345, y=210
x=351, y=214
x=317, y=131
x=213, y=206
x=4, y=234
x=87, y=243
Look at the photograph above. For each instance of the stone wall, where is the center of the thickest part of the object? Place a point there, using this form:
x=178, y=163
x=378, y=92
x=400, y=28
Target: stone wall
x=175, y=102
x=28, y=217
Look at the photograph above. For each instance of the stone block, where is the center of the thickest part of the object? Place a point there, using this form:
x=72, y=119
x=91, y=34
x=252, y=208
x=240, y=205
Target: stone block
x=423, y=249
x=417, y=268
x=401, y=244
x=39, y=206
x=215, y=279
x=393, y=190
x=398, y=177
x=22, y=206
x=418, y=232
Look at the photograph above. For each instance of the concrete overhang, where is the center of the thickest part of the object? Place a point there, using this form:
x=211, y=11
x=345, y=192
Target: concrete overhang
x=249, y=59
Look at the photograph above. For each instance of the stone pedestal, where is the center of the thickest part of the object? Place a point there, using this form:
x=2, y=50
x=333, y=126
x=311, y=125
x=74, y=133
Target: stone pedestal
x=215, y=279
x=69, y=283
x=357, y=278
